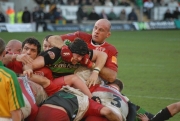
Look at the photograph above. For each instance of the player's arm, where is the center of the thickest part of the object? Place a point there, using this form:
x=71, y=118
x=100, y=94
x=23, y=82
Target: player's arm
x=41, y=80
x=24, y=58
x=45, y=58
x=110, y=115
x=108, y=74
x=99, y=58
x=56, y=41
x=36, y=64
x=16, y=100
x=16, y=115
x=109, y=71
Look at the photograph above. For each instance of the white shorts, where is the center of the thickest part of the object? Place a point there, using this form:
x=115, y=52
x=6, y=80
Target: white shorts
x=5, y=119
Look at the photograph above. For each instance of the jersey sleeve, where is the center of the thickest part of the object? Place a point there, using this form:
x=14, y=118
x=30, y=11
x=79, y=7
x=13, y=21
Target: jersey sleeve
x=112, y=59
x=15, y=66
x=45, y=71
x=51, y=56
x=78, y=34
x=69, y=37
x=16, y=100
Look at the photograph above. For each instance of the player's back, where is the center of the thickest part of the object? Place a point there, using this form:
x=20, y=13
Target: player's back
x=112, y=98
x=30, y=110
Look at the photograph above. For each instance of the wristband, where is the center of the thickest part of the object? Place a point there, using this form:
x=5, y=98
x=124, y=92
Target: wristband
x=96, y=69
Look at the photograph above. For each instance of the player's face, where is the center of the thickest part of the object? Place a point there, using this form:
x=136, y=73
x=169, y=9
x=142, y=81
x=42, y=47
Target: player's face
x=100, y=32
x=46, y=45
x=76, y=58
x=16, y=49
x=30, y=49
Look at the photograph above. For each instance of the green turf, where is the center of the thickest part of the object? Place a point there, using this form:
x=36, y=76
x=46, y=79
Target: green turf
x=149, y=65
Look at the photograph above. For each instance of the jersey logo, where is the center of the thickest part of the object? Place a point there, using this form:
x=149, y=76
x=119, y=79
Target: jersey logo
x=51, y=54
x=100, y=49
x=66, y=54
x=67, y=42
x=114, y=59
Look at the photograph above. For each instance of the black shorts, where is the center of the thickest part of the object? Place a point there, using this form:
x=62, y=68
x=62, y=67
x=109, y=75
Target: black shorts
x=66, y=100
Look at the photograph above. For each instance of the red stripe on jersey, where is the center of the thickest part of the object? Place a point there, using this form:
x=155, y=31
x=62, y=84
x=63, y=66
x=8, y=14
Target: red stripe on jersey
x=106, y=88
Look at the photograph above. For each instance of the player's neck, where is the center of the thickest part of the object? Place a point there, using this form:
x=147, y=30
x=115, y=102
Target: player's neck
x=95, y=43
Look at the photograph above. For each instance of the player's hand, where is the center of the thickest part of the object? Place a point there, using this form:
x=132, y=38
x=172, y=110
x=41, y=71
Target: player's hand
x=66, y=54
x=143, y=117
x=28, y=73
x=24, y=58
x=92, y=80
x=87, y=62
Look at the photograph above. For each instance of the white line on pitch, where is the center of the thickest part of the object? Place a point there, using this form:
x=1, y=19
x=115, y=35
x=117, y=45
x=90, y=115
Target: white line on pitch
x=164, y=98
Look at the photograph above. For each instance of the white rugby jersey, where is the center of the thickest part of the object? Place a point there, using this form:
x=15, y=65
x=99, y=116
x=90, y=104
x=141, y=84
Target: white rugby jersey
x=112, y=98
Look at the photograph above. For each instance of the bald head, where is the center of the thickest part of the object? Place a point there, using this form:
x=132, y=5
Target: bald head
x=101, y=31
x=14, y=46
x=106, y=23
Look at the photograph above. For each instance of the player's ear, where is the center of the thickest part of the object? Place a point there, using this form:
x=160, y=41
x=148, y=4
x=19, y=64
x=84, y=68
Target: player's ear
x=109, y=33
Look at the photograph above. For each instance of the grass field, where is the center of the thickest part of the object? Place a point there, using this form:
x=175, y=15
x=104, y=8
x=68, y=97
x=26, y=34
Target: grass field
x=149, y=65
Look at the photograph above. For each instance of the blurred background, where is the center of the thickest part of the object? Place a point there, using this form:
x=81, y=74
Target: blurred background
x=70, y=15
x=146, y=34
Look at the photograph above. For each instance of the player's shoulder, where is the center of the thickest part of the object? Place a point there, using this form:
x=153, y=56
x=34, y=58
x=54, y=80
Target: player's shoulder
x=110, y=47
x=84, y=35
x=7, y=72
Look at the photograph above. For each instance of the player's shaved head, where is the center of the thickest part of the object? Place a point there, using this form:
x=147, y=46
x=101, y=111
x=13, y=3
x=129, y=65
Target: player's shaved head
x=105, y=22
x=13, y=42
x=101, y=31
x=14, y=46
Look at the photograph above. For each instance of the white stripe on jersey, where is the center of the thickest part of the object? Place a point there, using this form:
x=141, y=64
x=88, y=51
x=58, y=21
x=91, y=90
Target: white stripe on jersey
x=28, y=88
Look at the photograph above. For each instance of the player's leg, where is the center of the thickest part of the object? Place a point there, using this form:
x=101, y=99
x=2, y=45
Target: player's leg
x=165, y=113
x=47, y=113
x=174, y=108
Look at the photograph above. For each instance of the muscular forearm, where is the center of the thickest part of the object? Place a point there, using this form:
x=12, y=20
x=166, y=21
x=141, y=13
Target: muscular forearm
x=108, y=74
x=39, y=79
x=56, y=41
x=100, y=59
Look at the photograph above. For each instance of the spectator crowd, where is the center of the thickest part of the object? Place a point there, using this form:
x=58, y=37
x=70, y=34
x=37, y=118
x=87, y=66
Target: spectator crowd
x=41, y=15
